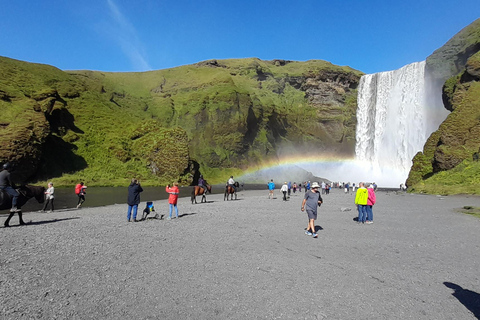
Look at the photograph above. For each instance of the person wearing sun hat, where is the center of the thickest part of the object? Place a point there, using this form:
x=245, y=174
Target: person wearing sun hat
x=311, y=202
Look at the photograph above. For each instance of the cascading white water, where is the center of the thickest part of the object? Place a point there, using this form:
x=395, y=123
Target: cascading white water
x=393, y=120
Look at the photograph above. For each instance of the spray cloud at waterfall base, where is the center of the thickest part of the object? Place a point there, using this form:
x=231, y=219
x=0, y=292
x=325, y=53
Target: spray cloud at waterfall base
x=396, y=113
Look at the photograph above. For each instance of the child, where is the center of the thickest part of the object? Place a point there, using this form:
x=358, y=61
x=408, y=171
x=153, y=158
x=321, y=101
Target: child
x=172, y=199
x=49, y=197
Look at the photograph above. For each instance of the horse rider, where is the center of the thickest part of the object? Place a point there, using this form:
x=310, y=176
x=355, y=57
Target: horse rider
x=202, y=183
x=231, y=183
x=7, y=185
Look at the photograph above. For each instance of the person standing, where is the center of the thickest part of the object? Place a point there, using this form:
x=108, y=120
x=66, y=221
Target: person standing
x=370, y=202
x=49, y=196
x=323, y=187
x=133, y=199
x=271, y=187
x=172, y=199
x=8, y=186
x=294, y=187
x=307, y=186
x=284, y=190
x=361, y=199
x=80, y=191
x=311, y=202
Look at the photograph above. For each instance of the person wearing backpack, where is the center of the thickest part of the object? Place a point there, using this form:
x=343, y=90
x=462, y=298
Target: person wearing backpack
x=311, y=202
x=80, y=192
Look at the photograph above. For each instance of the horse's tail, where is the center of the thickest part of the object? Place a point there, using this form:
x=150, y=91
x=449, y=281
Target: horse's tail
x=193, y=194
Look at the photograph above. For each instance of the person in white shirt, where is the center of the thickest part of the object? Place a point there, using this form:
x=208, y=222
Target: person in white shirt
x=231, y=183
x=284, y=189
x=49, y=197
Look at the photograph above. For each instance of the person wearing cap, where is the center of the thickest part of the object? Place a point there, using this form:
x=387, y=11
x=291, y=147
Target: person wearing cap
x=8, y=186
x=311, y=202
x=370, y=202
x=284, y=189
x=361, y=199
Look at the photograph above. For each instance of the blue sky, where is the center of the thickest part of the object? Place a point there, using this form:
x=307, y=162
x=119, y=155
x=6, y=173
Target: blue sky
x=116, y=35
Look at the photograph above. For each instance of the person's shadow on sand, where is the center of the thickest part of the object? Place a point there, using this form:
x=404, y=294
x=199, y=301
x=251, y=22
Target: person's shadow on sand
x=470, y=299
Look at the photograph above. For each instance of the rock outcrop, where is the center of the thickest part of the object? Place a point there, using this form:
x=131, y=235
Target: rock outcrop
x=458, y=137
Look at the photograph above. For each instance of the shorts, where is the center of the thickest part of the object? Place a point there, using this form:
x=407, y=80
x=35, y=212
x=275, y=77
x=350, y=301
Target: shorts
x=312, y=214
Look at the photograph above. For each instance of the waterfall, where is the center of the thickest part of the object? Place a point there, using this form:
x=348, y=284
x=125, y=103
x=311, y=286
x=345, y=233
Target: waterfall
x=394, y=120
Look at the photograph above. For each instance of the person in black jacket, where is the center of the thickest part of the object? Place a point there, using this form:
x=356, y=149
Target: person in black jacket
x=133, y=200
x=8, y=186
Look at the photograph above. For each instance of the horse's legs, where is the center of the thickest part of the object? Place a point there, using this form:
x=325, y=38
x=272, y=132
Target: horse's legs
x=20, y=214
x=6, y=224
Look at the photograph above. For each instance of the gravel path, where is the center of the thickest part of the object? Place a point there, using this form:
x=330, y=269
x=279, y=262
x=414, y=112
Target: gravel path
x=246, y=259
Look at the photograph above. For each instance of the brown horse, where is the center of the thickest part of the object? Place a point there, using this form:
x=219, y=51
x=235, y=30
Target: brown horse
x=230, y=191
x=26, y=192
x=199, y=191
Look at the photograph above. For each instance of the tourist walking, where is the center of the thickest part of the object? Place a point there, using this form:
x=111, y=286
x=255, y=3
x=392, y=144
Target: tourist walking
x=294, y=187
x=361, y=199
x=289, y=188
x=271, y=187
x=49, y=196
x=172, y=199
x=370, y=202
x=311, y=202
x=80, y=191
x=133, y=200
x=284, y=189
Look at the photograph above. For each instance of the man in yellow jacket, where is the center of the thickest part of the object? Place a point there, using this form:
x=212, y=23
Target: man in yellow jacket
x=361, y=199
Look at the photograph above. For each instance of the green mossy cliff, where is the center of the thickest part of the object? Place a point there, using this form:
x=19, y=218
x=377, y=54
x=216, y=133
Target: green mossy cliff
x=218, y=117
x=446, y=164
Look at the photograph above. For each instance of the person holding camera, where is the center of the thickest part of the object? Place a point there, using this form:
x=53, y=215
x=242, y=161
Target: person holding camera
x=311, y=202
x=133, y=200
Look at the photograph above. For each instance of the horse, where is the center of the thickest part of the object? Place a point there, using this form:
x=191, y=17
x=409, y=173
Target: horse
x=26, y=193
x=199, y=191
x=229, y=190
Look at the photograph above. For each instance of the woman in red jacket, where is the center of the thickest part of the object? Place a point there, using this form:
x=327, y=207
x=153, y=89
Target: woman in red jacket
x=370, y=202
x=172, y=199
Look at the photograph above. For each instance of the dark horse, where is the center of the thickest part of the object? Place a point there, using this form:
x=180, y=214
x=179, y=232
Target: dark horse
x=229, y=190
x=199, y=191
x=26, y=192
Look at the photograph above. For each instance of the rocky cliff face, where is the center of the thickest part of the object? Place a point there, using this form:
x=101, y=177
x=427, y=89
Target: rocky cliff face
x=458, y=137
x=160, y=125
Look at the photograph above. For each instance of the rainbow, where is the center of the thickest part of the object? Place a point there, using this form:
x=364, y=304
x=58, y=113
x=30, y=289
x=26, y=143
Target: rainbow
x=331, y=168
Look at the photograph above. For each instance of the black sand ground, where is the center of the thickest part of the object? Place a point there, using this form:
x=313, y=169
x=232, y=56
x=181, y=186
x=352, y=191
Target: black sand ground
x=246, y=259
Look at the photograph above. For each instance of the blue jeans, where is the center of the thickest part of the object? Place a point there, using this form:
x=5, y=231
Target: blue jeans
x=12, y=192
x=369, y=213
x=362, y=213
x=176, y=210
x=135, y=209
